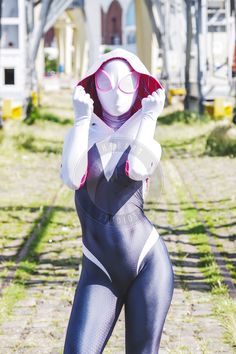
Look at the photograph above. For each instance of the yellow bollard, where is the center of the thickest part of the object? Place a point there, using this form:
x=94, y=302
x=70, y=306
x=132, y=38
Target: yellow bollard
x=6, y=109
x=175, y=91
x=17, y=112
x=34, y=96
x=209, y=108
x=228, y=110
x=169, y=97
x=218, y=110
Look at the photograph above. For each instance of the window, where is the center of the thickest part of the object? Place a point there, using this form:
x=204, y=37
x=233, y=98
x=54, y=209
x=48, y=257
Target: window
x=10, y=8
x=130, y=38
x=217, y=28
x=9, y=36
x=130, y=15
x=9, y=76
x=115, y=39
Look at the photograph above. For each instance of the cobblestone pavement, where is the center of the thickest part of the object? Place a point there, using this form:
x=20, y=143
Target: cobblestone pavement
x=39, y=317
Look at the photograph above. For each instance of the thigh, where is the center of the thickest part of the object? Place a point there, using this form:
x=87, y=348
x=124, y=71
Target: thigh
x=147, y=302
x=94, y=312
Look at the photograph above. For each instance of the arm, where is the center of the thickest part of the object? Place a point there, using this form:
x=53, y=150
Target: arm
x=74, y=156
x=145, y=151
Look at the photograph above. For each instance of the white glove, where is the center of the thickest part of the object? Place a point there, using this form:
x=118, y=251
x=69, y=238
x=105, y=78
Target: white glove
x=83, y=104
x=153, y=104
x=142, y=165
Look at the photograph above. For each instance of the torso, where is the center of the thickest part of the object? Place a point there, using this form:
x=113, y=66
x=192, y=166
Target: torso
x=110, y=204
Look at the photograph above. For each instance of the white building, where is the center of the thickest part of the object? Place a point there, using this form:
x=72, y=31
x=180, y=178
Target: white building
x=13, y=59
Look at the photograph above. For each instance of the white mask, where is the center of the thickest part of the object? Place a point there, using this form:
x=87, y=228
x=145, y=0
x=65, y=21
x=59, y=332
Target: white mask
x=117, y=86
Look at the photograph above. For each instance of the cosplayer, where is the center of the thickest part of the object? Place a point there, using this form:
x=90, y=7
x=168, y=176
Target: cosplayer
x=108, y=157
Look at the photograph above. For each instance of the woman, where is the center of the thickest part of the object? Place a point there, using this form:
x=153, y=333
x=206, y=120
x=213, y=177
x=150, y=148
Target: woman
x=108, y=156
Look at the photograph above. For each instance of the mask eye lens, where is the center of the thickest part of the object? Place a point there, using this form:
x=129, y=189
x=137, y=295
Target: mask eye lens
x=129, y=83
x=102, y=81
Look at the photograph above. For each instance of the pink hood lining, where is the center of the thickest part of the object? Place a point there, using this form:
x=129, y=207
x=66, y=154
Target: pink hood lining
x=147, y=83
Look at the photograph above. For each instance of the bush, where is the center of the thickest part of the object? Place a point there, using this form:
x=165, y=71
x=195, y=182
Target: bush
x=50, y=64
x=106, y=50
x=32, y=113
x=222, y=140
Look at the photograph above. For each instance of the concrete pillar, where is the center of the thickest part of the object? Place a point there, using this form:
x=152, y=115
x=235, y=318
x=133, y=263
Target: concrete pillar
x=59, y=32
x=68, y=37
x=40, y=62
x=76, y=61
x=154, y=56
x=144, y=35
x=80, y=41
x=93, y=25
x=84, y=47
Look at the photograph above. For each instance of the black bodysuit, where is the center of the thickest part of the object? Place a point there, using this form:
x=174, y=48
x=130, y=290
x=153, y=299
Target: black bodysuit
x=125, y=261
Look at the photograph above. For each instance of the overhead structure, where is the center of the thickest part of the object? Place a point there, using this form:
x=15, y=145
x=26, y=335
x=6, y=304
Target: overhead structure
x=188, y=44
x=196, y=43
x=209, y=50
x=164, y=18
x=22, y=25
x=50, y=11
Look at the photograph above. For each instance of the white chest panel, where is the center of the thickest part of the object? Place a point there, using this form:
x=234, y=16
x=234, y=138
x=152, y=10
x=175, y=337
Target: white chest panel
x=111, y=144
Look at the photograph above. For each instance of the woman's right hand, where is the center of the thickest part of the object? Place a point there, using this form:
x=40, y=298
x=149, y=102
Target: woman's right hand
x=83, y=104
x=153, y=104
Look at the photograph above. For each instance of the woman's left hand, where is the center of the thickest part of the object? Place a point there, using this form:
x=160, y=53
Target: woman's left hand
x=153, y=104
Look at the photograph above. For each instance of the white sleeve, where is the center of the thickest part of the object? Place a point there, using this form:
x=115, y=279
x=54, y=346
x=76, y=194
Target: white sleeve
x=75, y=154
x=145, y=152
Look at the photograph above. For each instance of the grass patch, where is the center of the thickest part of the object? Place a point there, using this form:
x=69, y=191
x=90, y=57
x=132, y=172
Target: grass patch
x=37, y=145
x=25, y=269
x=225, y=309
x=199, y=238
x=181, y=254
x=11, y=295
x=183, y=140
x=222, y=140
x=34, y=114
x=210, y=222
x=185, y=117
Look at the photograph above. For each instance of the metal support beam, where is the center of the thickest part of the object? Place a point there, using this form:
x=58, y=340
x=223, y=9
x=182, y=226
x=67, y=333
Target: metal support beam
x=201, y=26
x=153, y=17
x=159, y=20
x=189, y=31
x=57, y=8
x=38, y=29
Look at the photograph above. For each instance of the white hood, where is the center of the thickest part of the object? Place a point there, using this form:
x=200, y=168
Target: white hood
x=147, y=85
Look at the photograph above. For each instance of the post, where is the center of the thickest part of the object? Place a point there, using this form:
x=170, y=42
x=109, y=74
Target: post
x=201, y=24
x=188, y=52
